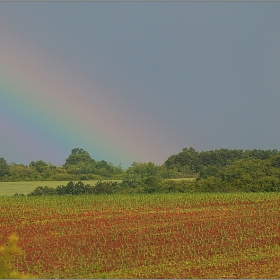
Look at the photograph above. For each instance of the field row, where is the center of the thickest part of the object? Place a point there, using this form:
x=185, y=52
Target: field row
x=146, y=236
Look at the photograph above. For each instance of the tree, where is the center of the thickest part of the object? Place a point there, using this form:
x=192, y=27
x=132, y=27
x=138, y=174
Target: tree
x=275, y=161
x=39, y=165
x=152, y=183
x=143, y=169
x=19, y=171
x=185, y=162
x=39, y=191
x=78, y=155
x=208, y=172
x=105, y=188
x=4, y=168
x=247, y=174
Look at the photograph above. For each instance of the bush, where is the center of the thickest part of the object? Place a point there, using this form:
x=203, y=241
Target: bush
x=129, y=184
x=39, y=191
x=21, y=194
x=105, y=188
x=177, y=187
x=74, y=188
x=7, y=257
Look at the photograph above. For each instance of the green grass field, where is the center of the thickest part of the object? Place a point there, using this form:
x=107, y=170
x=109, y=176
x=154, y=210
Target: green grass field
x=25, y=187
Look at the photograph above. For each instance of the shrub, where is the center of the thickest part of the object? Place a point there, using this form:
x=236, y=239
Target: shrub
x=105, y=188
x=7, y=257
x=39, y=191
x=73, y=188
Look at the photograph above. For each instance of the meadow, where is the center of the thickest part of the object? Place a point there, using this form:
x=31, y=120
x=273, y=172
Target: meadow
x=146, y=236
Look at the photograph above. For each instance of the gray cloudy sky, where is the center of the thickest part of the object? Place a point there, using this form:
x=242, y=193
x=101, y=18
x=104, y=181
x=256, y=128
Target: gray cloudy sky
x=200, y=74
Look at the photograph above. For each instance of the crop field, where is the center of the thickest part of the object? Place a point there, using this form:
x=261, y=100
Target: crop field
x=146, y=236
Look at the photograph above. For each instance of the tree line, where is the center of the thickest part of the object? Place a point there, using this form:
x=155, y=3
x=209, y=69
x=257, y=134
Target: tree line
x=79, y=166
x=247, y=175
x=217, y=170
x=206, y=163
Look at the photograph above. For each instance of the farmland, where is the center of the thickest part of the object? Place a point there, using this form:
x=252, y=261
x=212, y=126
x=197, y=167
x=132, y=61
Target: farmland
x=146, y=236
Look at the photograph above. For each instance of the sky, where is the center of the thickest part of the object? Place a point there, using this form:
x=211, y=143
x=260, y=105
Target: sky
x=137, y=81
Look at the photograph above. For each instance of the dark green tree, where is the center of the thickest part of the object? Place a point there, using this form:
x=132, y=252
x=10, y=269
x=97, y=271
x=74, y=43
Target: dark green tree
x=140, y=170
x=4, y=168
x=78, y=155
x=105, y=188
x=40, y=166
x=39, y=191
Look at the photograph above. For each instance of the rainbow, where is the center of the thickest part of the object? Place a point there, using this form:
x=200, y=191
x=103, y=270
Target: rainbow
x=49, y=107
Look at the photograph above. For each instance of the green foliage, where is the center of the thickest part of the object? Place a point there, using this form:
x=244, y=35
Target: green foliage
x=208, y=171
x=186, y=162
x=143, y=177
x=275, y=160
x=105, y=188
x=40, y=166
x=17, y=194
x=78, y=188
x=181, y=186
x=43, y=191
x=221, y=170
x=149, y=184
x=4, y=168
x=78, y=155
x=7, y=258
x=208, y=163
x=130, y=184
x=79, y=166
x=247, y=175
x=71, y=188
x=152, y=183
x=139, y=170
